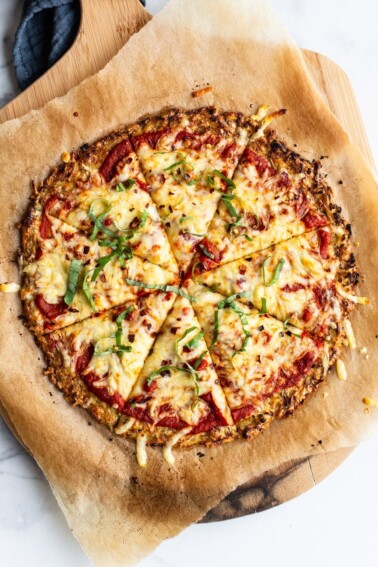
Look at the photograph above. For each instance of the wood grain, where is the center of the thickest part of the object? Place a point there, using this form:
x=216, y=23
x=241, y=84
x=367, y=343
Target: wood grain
x=105, y=27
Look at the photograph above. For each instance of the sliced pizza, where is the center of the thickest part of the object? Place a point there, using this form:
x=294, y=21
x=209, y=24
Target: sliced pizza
x=188, y=158
x=277, y=194
x=66, y=277
x=308, y=280
x=97, y=361
x=177, y=395
x=101, y=190
x=266, y=368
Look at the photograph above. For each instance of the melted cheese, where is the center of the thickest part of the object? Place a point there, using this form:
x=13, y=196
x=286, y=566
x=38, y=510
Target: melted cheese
x=349, y=334
x=259, y=198
x=49, y=276
x=141, y=454
x=117, y=374
x=167, y=449
x=341, y=370
x=248, y=376
x=303, y=267
x=9, y=287
x=177, y=389
x=149, y=242
x=171, y=191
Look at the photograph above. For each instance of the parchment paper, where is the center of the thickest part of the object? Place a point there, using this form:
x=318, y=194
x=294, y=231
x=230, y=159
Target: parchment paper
x=120, y=512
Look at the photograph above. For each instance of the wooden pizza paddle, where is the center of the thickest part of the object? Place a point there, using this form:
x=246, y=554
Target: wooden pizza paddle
x=105, y=27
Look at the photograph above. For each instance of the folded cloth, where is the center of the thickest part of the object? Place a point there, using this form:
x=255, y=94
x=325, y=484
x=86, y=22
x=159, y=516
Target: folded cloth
x=47, y=30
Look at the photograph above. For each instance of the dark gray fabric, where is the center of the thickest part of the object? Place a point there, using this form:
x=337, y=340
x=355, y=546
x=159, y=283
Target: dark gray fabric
x=47, y=30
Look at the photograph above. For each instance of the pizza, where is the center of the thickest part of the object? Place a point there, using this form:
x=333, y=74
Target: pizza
x=189, y=278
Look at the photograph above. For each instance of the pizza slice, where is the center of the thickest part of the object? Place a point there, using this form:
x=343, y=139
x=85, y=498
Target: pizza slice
x=101, y=191
x=177, y=398
x=308, y=280
x=188, y=158
x=277, y=194
x=67, y=278
x=266, y=368
x=97, y=361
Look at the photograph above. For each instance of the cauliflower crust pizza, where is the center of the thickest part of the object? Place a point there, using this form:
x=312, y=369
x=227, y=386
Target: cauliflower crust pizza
x=189, y=278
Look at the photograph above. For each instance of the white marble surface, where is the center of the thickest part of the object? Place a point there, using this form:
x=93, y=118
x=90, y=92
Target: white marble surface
x=333, y=524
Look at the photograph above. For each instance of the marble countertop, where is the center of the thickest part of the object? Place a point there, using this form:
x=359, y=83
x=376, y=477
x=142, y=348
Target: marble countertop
x=334, y=523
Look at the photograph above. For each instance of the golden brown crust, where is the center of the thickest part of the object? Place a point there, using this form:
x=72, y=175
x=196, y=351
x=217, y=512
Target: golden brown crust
x=206, y=120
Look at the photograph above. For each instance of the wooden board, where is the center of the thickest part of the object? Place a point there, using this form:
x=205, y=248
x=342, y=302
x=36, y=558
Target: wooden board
x=105, y=27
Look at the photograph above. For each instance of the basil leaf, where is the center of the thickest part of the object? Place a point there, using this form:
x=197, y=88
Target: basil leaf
x=200, y=359
x=143, y=219
x=289, y=330
x=172, y=288
x=276, y=274
x=101, y=264
x=226, y=302
x=235, y=223
x=175, y=164
x=263, y=305
x=206, y=252
x=193, y=343
x=87, y=292
x=229, y=206
x=162, y=369
x=216, y=329
x=98, y=225
x=118, y=335
x=263, y=269
x=122, y=187
x=73, y=280
x=194, y=233
x=187, y=332
x=183, y=219
x=228, y=181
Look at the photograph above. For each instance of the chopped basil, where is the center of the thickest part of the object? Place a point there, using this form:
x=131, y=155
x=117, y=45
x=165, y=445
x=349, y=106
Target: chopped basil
x=206, y=252
x=157, y=372
x=162, y=287
x=226, y=200
x=87, y=292
x=73, y=280
x=183, y=219
x=143, y=219
x=210, y=179
x=174, y=165
x=194, y=277
x=193, y=343
x=289, y=330
x=122, y=187
x=119, y=348
x=98, y=225
x=230, y=303
x=194, y=233
x=263, y=305
x=235, y=223
x=216, y=329
x=247, y=237
x=226, y=302
x=101, y=263
x=118, y=335
x=200, y=359
x=187, y=332
x=276, y=274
